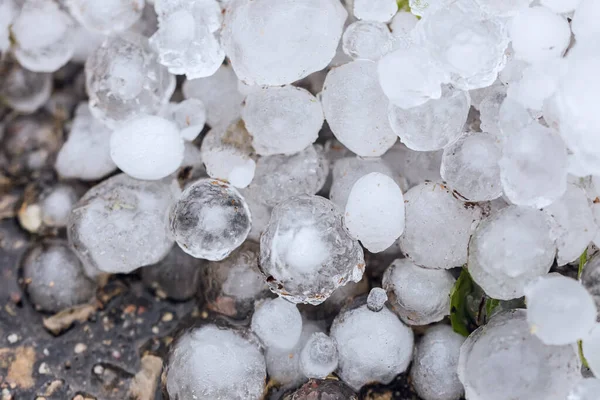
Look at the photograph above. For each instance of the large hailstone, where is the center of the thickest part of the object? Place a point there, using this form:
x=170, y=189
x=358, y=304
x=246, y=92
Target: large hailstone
x=276, y=43
x=210, y=220
x=356, y=108
x=372, y=346
x=277, y=323
x=319, y=357
x=510, y=249
x=503, y=359
x=306, y=253
x=106, y=16
x=119, y=225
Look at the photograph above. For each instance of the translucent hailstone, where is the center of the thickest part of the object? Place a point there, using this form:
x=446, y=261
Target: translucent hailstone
x=375, y=211
x=590, y=278
x=375, y=10
x=489, y=109
x=591, y=349
x=530, y=369
x=433, y=372
x=355, y=108
x=528, y=178
x=278, y=43
x=505, y=8
x=377, y=299
x=513, y=117
x=261, y=213
x=538, y=83
x=306, y=252
x=54, y=277
x=416, y=166
x=124, y=79
x=510, y=249
x=586, y=389
x=187, y=40
x=215, y=363
x=106, y=16
x=402, y=26
x=559, y=309
x=433, y=125
x=50, y=45
x=280, y=177
x=372, y=346
x=367, y=40
x=282, y=120
x=470, y=166
x=190, y=117
x=418, y=295
x=277, y=323
x=56, y=205
x=539, y=35
x=119, y=225
x=438, y=226
x=8, y=11
x=210, y=220
x=24, y=91
x=584, y=24
x=319, y=357
x=85, y=42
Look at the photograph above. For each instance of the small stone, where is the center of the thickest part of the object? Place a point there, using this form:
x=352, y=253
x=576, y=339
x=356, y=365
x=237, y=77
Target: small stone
x=44, y=369
x=167, y=317
x=98, y=369
x=376, y=299
x=13, y=338
x=80, y=348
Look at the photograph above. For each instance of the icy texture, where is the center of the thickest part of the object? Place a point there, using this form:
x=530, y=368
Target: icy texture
x=372, y=346
x=124, y=79
x=282, y=120
x=438, y=226
x=423, y=8
x=210, y=220
x=584, y=24
x=402, y=26
x=190, y=117
x=591, y=349
x=277, y=323
x=416, y=166
x=319, y=357
x=559, y=309
x=367, y=40
x=23, y=90
x=418, y=295
x=106, y=16
x=538, y=83
x=260, y=212
x=377, y=299
x=147, y=147
x=510, y=249
x=119, y=225
x=587, y=389
x=375, y=10
x=489, y=109
x=504, y=356
x=433, y=125
x=504, y=8
x=56, y=205
x=470, y=166
x=375, y=212
x=276, y=43
x=214, y=363
x=433, y=372
x=306, y=253
x=355, y=108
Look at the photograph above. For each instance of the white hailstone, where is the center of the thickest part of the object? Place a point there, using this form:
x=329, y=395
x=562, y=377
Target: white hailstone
x=538, y=83
x=319, y=356
x=433, y=372
x=306, y=252
x=420, y=296
x=416, y=166
x=489, y=109
x=584, y=24
x=220, y=95
x=49, y=45
x=8, y=12
x=57, y=204
x=147, y=147
x=574, y=224
x=504, y=8
x=85, y=42
x=215, y=363
x=409, y=78
x=210, y=220
x=276, y=43
x=438, y=226
x=402, y=26
x=539, y=35
x=375, y=211
x=277, y=323
x=228, y=154
x=377, y=299
x=528, y=179
x=470, y=166
x=512, y=117
x=561, y=6
x=367, y=40
x=25, y=91
x=124, y=80
x=119, y=225
x=355, y=108
x=375, y=10
x=591, y=349
x=586, y=389
x=509, y=249
x=502, y=359
x=187, y=40
x=260, y=212
x=559, y=309
x=282, y=120
x=189, y=116
x=513, y=70
x=434, y=124
x=106, y=16
x=372, y=346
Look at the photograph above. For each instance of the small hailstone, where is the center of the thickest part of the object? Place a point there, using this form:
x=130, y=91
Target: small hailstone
x=559, y=309
x=356, y=108
x=375, y=212
x=510, y=249
x=261, y=213
x=586, y=389
x=539, y=35
x=277, y=323
x=591, y=349
x=367, y=40
x=190, y=117
x=584, y=24
x=401, y=26
x=106, y=16
x=215, y=363
x=57, y=204
x=376, y=299
x=489, y=109
x=319, y=357
x=437, y=227
x=8, y=11
x=306, y=252
x=25, y=91
x=372, y=346
x=416, y=166
x=282, y=120
x=418, y=295
x=434, y=124
x=277, y=43
x=505, y=8
x=433, y=372
x=375, y=10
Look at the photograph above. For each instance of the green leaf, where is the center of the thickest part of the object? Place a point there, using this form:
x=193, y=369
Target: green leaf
x=490, y=305
x=582, y=261
x=459, y=317
x=581, y=356
x=403, y=5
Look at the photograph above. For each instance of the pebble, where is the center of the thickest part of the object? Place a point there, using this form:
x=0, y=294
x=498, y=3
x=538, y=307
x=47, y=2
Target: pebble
x=13, y=338
x=80, y=348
